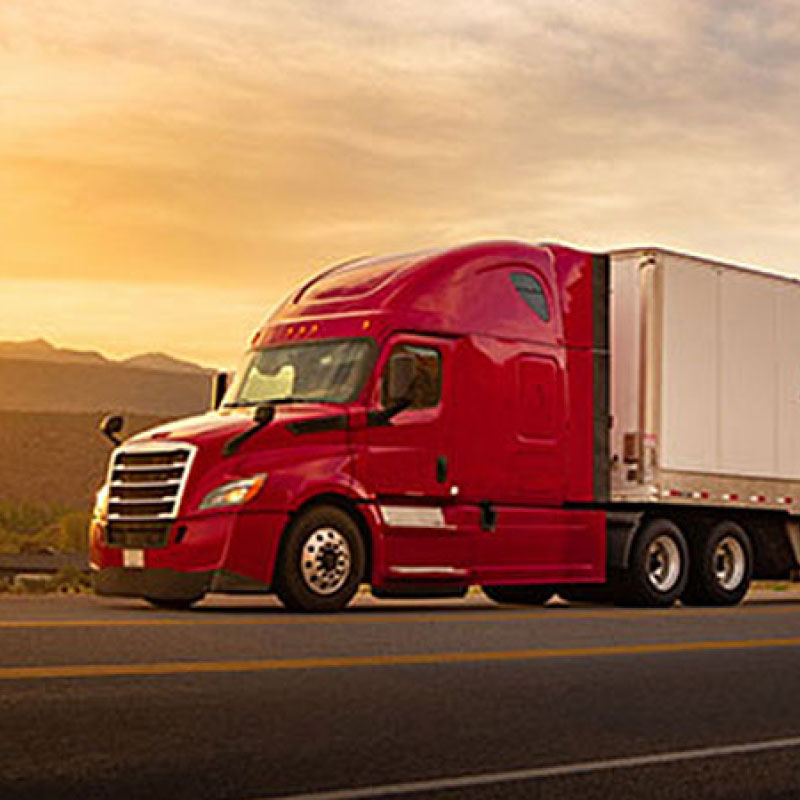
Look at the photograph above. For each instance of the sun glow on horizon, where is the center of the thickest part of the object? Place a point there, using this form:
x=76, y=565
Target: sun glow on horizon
x=126, y=319
x=171, y=171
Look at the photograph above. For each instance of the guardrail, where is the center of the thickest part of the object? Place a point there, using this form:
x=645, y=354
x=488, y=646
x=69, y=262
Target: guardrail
x=40, y=563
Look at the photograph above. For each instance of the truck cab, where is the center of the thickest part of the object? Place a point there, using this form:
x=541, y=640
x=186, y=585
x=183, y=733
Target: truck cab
x=419, y=423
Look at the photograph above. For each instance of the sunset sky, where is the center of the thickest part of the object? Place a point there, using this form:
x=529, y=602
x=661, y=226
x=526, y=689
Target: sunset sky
x=169, y=170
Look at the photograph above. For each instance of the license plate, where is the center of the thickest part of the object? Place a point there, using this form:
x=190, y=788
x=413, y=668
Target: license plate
x=133, y=559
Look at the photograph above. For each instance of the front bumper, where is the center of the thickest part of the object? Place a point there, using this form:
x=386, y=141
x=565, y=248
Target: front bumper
x=224, y=552
x=172, y=584
x=156, y=584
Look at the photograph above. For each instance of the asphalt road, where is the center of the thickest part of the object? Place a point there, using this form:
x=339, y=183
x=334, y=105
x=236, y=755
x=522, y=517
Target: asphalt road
x=239, y=699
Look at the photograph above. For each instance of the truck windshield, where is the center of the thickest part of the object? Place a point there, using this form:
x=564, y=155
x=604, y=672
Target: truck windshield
x=330, y=371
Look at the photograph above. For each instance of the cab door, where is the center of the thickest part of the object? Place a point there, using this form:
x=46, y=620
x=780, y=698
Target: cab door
x=406, y=464
x=410, y=454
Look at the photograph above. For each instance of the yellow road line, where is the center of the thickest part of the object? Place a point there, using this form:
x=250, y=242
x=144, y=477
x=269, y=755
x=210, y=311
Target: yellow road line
x=455, y=615
x=410, y=659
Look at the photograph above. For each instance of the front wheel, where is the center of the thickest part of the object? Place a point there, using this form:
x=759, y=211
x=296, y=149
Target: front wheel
x=519, y=595
x=322, y=561
x=657, y=569
x=722, y=565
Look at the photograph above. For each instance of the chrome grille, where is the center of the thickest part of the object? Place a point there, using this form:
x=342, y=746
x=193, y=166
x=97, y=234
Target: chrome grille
x=146, y=484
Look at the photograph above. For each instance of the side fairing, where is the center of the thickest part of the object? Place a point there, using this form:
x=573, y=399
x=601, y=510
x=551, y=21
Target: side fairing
x=583, y=281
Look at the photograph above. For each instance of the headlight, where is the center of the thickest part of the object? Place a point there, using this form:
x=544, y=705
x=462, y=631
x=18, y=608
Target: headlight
x=101, y=502
x=235, y=493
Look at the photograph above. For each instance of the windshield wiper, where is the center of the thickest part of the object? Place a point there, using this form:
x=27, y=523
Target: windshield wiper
x=277, y=401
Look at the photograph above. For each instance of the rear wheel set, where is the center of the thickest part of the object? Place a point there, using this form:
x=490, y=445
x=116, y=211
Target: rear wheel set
x=715, y=570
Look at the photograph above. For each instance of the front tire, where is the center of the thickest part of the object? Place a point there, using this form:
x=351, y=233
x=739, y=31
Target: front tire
x=519, y=595
x=658, y=567
x=722, y=566
x=322, y=561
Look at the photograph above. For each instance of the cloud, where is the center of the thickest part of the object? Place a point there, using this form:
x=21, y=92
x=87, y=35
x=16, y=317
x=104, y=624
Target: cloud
x=248, y=143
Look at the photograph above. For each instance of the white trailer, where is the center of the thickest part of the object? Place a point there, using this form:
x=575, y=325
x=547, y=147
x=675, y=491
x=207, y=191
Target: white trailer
x=705, y=415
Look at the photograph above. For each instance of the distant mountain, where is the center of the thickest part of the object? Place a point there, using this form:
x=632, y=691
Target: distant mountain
x=163, y=362
x=42, y=350
x=36, y=376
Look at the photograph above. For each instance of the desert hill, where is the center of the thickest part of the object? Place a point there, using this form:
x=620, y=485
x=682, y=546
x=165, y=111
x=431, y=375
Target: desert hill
x=56, y=459
x=51, y=401
x=35, y=376
x=42, y=350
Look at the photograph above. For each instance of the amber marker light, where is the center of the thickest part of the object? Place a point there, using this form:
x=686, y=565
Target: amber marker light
x=365, y=325
x=235, y=493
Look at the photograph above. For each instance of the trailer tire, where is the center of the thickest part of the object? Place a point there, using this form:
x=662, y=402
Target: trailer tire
x=658, y=568
x=721, y=567
x=322, y=561
x=520, y=595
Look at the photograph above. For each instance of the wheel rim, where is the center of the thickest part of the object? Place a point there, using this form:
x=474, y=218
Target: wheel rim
x=325, y=561
x=730, y=563
x=663, y=563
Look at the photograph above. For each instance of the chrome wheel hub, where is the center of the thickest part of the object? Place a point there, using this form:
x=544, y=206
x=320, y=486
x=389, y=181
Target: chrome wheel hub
x=663, y=563
x=325, y=561
x=729, y=563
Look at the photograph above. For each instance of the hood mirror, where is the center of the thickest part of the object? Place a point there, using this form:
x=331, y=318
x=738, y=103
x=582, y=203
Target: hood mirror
x=111, y=426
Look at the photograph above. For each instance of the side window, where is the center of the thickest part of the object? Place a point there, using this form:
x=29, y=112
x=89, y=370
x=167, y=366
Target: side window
x=532, y=292
x=427, y=381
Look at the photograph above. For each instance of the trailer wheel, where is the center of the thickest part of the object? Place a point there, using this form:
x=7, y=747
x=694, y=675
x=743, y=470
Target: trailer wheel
x=721, y=568
x=519, y=595
x=322, y=561
x=658, y=568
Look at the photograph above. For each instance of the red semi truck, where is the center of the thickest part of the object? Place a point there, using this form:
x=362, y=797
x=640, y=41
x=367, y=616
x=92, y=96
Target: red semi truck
x=531, y=419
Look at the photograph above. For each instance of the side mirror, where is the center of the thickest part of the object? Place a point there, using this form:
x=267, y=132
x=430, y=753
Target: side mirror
x=219, y=385
x=402, y=367
x=111, y=426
